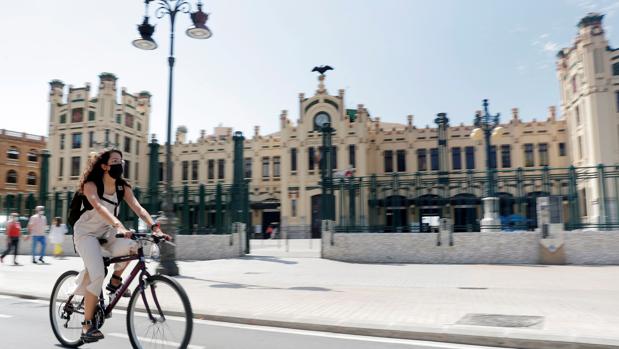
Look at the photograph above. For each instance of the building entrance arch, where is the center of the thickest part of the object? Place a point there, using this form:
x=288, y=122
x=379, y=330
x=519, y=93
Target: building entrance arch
x=465, y=207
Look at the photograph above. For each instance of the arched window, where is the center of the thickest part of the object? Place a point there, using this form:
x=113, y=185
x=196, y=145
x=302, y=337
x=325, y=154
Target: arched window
x=11, y=177
x=31, y=179
x=32, y=155
x=13, y=153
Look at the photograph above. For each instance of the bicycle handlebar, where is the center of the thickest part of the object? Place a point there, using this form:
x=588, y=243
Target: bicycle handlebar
x=145, y=236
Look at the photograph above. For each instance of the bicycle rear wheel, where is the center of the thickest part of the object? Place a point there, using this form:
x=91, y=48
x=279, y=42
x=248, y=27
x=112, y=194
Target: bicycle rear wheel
x=159, y=315
x=66, y=311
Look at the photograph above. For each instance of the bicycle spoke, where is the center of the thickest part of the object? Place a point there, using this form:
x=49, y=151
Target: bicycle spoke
x=66, y=311
x=150, y=319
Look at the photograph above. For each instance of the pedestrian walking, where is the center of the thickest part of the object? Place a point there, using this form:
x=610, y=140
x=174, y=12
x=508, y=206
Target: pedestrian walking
x=36, y=228
x=13, y=232
x=270, y=232
x=57, y=231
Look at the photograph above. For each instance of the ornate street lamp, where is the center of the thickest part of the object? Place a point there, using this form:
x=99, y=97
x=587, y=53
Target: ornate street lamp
x=487, y=126
x=327, y=204
x=442, y=121
x=199, y=30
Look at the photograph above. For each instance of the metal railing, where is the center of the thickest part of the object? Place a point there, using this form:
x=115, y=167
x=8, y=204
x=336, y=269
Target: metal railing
x=199, y=210
x=401, y=202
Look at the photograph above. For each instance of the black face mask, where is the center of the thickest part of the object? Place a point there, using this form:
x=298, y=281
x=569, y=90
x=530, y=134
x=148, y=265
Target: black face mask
x=116, y=171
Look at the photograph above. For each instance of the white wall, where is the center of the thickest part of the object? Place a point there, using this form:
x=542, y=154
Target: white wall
x=468, y=248
x=196, y=247
x=592, y=247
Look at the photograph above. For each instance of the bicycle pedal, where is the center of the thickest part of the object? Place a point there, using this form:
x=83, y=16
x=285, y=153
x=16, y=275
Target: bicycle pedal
x=107, y=316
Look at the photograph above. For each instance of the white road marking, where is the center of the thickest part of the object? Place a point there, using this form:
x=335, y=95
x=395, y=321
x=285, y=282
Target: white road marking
x=156, y=341
x=36, y=301
x=419, y=343
x=40, y=301
x=422, y=344
x=3, y=316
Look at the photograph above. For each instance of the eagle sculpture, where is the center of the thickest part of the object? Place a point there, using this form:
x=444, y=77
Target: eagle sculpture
x=322, y=69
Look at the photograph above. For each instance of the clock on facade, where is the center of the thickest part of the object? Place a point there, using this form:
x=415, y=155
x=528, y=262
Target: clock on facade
x=320, y=119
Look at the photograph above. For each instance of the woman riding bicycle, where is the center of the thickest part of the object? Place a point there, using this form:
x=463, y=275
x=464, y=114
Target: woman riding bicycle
x=97, y=228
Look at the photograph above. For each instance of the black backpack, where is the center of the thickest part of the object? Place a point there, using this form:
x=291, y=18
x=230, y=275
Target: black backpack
x=79, y=203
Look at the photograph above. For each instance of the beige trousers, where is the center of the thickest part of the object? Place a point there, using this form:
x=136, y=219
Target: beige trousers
x=87, y=245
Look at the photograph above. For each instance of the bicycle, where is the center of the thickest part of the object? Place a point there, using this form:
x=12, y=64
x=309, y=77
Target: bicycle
x=66, y=310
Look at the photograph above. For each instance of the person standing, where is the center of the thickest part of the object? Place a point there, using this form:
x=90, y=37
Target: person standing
x=57, y=232
x=274, y=232
x=13, y=232
x=36, y=228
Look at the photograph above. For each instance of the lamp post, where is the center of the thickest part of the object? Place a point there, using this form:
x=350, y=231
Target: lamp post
x=445, y=225
x=199, y=30
x=487, y=126
x=327, y=205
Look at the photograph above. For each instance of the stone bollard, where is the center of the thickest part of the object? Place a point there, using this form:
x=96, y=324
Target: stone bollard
x=327, y=235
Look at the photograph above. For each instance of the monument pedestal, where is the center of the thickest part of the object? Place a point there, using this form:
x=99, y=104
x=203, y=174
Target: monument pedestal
x=491, y=221
x=550, y=227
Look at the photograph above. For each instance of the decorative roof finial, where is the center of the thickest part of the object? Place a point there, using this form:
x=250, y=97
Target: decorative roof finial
x=322, y=69
x=321, y=78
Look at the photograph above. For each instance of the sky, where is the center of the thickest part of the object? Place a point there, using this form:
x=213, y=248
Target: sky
x=397, y=57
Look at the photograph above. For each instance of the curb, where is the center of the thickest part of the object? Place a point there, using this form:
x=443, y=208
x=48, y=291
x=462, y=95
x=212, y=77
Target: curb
x=439, y=335
x=442, y=337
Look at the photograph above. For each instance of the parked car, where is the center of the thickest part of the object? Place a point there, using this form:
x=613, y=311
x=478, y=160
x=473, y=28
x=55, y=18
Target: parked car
x=514, y=222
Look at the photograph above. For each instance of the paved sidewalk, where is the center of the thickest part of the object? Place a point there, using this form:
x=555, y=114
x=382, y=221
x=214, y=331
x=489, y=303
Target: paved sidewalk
x=579, y=305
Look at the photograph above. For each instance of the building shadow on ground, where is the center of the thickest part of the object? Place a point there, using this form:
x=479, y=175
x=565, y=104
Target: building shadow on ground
x=236, y=285
x=268, y=259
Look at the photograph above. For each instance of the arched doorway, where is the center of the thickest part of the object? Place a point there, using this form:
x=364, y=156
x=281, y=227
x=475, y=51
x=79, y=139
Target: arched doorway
x=465, y=212
x=396, y=213
x=506, y=204
x=271, y=215
x=430, y=206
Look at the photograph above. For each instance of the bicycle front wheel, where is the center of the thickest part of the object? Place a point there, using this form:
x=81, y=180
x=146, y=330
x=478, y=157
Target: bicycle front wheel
x=159, y=315
x=66, y=311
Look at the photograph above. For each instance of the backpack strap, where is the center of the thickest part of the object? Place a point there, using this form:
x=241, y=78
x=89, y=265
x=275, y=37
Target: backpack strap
x=120, y=193
x=110, y=201
x=120, y=190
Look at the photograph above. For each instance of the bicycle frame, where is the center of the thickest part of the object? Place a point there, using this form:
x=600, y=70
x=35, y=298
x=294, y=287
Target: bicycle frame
x=139, y=268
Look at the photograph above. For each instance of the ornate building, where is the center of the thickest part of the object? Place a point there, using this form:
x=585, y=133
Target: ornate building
x=284, y=167
x=588, y=73
x=83, y=122
x=20, y=165
x=387, y=173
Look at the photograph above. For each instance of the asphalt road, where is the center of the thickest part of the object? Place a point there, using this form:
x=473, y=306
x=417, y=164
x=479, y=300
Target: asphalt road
x=24, y=323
